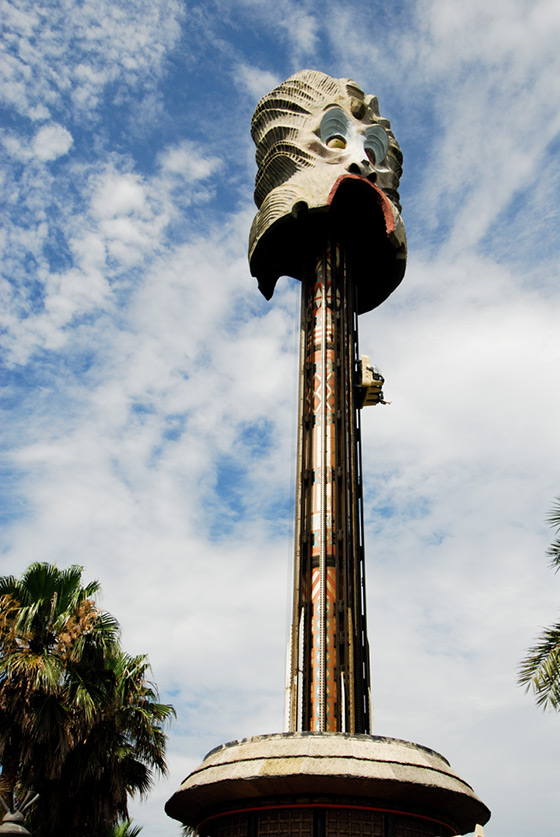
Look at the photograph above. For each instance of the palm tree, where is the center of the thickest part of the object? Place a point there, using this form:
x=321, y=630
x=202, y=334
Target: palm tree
x=80, y=722
x=116, y=759
x=540, y=670
x=49, y=628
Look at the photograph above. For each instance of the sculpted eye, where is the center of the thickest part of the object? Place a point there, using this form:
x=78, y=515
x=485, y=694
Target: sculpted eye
x=376, y=143
x=335, y=128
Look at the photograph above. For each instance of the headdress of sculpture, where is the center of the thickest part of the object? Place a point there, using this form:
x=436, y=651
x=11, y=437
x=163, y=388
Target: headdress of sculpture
x=326, y=161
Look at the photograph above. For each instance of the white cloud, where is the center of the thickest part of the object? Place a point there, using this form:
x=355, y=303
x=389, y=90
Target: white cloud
x=300, y=27
x=52, y=141
x=72, y=52
x=118, y=194
x=256, y=82
x=188, y=161
x=38, y=113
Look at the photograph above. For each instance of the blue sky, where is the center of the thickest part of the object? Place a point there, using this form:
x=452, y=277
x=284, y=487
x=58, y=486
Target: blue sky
x=148, y=390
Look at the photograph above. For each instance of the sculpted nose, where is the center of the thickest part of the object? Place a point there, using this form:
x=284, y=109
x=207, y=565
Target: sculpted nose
x=363, y=168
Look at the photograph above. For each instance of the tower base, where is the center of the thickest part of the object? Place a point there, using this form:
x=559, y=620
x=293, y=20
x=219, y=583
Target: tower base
x=326, y=784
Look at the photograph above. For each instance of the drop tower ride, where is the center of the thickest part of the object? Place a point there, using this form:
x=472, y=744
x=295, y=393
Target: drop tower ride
x=329, y=215
x=326, y=189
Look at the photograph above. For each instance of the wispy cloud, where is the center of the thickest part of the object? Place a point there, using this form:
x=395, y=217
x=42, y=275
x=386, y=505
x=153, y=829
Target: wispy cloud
x=65, y=55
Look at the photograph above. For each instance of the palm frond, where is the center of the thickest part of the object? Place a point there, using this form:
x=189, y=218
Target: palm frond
x=125, y=829
x=553, y=520
x=540, y=670
x=553, y=553
x=554, y=516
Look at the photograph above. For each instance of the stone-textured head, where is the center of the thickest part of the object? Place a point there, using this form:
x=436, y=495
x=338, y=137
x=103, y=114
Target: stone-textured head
x=326, y=160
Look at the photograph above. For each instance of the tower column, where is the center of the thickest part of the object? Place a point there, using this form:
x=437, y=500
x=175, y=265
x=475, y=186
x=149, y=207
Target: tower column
x=329, y=660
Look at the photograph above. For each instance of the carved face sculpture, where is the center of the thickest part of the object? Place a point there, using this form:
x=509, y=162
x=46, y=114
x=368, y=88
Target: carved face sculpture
x=321, y=142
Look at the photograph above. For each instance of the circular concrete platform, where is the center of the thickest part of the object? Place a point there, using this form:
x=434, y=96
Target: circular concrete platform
x=329, y=770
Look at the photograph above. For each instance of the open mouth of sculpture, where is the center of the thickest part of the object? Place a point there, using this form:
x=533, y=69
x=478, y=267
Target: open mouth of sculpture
x=351, y=192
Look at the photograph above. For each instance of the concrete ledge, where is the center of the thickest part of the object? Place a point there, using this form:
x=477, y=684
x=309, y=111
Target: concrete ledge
x=373, y=771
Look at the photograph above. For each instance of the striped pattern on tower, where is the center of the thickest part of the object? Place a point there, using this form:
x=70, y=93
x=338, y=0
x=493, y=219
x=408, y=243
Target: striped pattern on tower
x=329, y=660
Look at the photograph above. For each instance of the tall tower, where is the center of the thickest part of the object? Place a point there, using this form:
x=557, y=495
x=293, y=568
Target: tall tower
x=329, y=683
x=329, y=215
x=327, y=193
